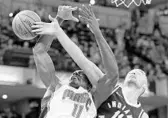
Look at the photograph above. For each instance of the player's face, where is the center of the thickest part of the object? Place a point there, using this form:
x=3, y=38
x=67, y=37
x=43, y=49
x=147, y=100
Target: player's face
x=77, y=80
x=137, y=78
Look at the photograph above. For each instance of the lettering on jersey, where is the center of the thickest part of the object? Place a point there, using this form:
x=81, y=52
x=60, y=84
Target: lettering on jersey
x=77, y=97
x=122, y=110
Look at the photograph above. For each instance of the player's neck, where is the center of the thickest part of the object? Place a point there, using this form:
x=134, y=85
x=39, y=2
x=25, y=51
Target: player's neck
x=130, y=95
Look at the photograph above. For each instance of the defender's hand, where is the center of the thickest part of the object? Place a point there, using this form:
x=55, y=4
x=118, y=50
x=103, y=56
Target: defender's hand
x=43, y=28
x=65, y=12
x=87, y=16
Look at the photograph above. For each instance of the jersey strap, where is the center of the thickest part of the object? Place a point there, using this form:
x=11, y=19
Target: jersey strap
x=141, y=113
x=43, y=112
x=115, y=89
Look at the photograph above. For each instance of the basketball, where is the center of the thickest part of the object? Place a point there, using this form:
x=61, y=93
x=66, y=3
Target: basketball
x=22, y=23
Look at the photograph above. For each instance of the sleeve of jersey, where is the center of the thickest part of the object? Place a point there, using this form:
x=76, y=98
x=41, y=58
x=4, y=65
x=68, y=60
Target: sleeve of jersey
x=103, y=90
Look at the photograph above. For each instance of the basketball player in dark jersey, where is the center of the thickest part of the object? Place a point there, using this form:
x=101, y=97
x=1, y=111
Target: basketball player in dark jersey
x=122, y=101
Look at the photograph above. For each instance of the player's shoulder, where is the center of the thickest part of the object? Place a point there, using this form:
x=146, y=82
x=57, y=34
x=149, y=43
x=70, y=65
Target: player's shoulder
x=144, y=115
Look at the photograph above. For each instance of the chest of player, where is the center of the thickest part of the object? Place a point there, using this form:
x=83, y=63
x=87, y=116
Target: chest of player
x=68, y=101
x=116, y=107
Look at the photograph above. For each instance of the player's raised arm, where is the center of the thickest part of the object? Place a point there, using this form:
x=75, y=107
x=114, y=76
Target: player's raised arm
x=43, y=61
x=90, y=69
x=107, y=55
x=108, y=82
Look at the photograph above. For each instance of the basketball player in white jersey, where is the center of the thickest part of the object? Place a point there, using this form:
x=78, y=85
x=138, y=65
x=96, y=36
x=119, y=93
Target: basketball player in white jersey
x=94, y=74
x=72, y=100
x=105, y=83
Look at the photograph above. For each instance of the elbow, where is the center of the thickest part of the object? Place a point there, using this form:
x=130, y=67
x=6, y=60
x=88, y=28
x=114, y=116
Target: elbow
x=34, y=50
x=115, y=72
x=39, y=48
x=113, y=76
x=116, y=75
x=114, y=79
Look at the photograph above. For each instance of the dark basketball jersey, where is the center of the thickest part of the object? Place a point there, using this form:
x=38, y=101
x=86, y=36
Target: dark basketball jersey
x=117, y=107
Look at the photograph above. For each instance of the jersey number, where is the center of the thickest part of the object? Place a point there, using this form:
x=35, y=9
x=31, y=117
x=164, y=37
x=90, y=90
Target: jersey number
x=77, y=110
x=117, y=115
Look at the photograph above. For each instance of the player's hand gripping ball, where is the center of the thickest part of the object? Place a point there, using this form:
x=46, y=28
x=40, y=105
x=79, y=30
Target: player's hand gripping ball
x=22, y=23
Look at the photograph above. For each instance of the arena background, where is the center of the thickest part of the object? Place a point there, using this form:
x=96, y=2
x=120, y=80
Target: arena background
x=137, y=35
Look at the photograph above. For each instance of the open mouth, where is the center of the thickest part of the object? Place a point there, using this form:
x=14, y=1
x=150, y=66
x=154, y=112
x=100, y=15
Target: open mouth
x=74, y=78
x=74, y=84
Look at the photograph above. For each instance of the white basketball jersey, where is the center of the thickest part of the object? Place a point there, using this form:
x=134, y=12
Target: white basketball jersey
x=69, y=102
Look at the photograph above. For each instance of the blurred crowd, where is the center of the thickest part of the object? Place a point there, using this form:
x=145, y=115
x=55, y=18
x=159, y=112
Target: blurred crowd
x=8, y=113
x=131, y=48
x=31, y=111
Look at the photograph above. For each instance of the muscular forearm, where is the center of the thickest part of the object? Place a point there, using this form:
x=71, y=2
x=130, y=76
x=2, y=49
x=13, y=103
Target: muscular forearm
x=73, y=50
x=107, y=55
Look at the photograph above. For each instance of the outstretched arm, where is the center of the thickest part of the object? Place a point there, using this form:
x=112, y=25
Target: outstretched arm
x=43, y=61
x=90, y=69
x=108, y=82
x=107, y=55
